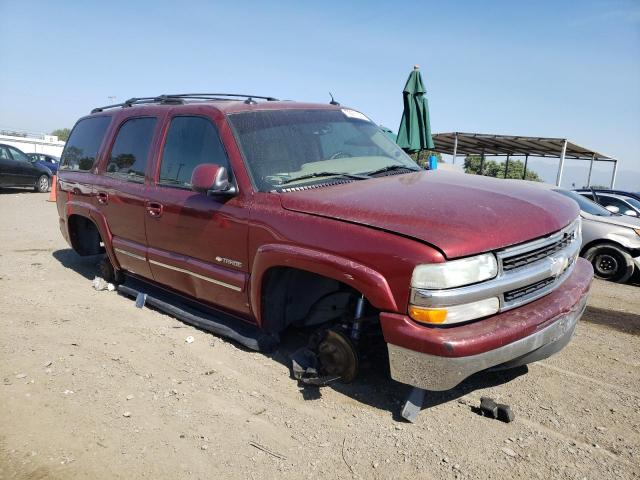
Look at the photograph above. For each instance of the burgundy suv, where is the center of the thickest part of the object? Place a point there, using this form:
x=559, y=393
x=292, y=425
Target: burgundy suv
x=278, y=213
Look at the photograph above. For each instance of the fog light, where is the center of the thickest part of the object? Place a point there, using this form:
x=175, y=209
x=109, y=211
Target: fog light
x=456, y=313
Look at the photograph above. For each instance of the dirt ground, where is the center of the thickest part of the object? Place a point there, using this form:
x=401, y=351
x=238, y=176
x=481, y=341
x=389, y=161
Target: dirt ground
x=95, y=388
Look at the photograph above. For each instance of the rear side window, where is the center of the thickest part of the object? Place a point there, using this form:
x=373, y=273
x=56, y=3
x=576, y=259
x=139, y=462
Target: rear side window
x=128, y=159
x=81, y=149
x=190, y=142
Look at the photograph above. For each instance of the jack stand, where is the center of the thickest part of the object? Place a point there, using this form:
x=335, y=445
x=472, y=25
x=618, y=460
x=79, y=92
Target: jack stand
x=141, y=299
x=413, y=404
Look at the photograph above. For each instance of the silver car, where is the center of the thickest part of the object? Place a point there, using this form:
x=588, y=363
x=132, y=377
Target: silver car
x=616, y=203
x=610, y=242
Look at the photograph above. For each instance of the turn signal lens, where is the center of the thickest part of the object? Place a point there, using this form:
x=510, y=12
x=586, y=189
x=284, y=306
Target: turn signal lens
x=455, y=313
x=637, y=230
x=428, y=315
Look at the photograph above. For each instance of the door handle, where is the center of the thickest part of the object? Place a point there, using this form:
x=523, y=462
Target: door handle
x=154, y=209
x=103, y=198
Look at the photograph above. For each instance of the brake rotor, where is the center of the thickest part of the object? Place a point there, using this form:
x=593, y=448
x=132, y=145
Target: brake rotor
x=337, y=356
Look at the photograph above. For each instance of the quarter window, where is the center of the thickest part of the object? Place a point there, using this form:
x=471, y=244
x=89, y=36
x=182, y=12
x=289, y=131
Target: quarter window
x=81, y=149
x=128, y=159
x=191, y=141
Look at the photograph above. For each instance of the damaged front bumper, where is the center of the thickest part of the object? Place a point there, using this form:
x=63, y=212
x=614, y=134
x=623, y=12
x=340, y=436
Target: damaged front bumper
x=441, y=373
x=440, y=358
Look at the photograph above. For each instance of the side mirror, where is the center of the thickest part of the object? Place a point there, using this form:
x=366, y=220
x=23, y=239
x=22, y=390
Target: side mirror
x=210, y=178
x=631, y=213
x=612, y=209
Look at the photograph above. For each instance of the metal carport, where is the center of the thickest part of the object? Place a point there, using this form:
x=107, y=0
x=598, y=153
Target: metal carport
x=483, y=144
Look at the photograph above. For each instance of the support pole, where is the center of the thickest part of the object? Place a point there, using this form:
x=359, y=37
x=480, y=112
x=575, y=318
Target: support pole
x=561, y=166
x=613, y=176
x=482, y=163
x=593, y=157
x=526, y=159
x=455, y=148
x=506, y=166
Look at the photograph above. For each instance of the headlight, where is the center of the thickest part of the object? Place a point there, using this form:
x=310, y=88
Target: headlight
x=455, y=273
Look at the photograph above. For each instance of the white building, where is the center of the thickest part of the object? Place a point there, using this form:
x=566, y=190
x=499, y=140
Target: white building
x=33, y=143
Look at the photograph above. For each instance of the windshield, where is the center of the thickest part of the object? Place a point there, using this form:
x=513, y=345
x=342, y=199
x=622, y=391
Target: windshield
x=281, y=145
x=585, y=204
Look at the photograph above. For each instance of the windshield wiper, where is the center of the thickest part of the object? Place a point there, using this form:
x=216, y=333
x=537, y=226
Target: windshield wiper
x=326, y=174
x=389, y=168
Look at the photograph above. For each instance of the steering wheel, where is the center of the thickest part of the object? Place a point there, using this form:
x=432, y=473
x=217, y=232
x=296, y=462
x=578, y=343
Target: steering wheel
x=340, y=154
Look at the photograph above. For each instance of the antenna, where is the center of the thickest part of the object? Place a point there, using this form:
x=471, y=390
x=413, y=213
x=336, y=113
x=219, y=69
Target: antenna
x=332, y=102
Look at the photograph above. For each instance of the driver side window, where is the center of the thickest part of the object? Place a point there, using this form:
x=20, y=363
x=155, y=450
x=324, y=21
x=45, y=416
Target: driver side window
x=191, y=141
x=614, y=202
x=18, y=155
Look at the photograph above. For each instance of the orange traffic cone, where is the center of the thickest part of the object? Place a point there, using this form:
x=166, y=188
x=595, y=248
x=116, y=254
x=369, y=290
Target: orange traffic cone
x=53, y=191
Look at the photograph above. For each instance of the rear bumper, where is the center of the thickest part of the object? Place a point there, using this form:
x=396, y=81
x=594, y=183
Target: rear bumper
x=441, y=358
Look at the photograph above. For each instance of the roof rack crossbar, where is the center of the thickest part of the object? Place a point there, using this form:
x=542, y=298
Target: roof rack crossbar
x=179, y=98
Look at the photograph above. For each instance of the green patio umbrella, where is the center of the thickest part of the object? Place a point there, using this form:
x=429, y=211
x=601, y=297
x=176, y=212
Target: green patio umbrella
x=414, y=134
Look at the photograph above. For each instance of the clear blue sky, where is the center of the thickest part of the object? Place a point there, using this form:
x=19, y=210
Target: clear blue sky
x=548, y=68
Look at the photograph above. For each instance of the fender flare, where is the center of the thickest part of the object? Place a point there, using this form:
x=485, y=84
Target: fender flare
x=372, y=284
x=99, y=220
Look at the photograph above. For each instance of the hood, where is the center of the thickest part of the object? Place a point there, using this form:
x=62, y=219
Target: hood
x=459, y=214
x=617, y=220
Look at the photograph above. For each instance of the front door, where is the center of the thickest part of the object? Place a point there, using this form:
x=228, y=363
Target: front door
x=197, y=243
x=8, y=166
x=120, y=192
x=24, y=172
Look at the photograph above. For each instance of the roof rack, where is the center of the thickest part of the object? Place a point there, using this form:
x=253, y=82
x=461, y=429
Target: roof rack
x=179, y=98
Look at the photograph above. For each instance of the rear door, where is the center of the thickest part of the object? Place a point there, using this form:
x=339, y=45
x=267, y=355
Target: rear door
x=197, y=243
x=121, y=191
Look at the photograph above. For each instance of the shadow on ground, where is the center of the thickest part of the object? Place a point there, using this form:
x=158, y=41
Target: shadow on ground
x=626, y=322
x=373, y=385
x=85, y=266
x=10, y=190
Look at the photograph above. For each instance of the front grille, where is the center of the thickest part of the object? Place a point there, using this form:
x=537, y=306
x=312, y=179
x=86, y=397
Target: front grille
x=527, y=290
x=526, y=258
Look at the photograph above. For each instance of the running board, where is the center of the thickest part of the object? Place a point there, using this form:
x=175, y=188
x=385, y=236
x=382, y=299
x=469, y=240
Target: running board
x=189, y=312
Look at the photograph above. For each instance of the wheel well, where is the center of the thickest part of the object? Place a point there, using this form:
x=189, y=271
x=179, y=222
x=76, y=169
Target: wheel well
x=601, y=242
x=84, y=235
x=297, y=297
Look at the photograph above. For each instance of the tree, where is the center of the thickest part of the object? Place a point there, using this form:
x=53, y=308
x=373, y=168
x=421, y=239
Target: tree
x=491, y=168
x=62, y=133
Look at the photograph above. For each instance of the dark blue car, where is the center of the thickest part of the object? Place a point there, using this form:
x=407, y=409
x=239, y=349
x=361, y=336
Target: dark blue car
x=50, y=161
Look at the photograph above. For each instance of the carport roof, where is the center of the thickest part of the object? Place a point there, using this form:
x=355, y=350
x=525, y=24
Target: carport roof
x=503, y=145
